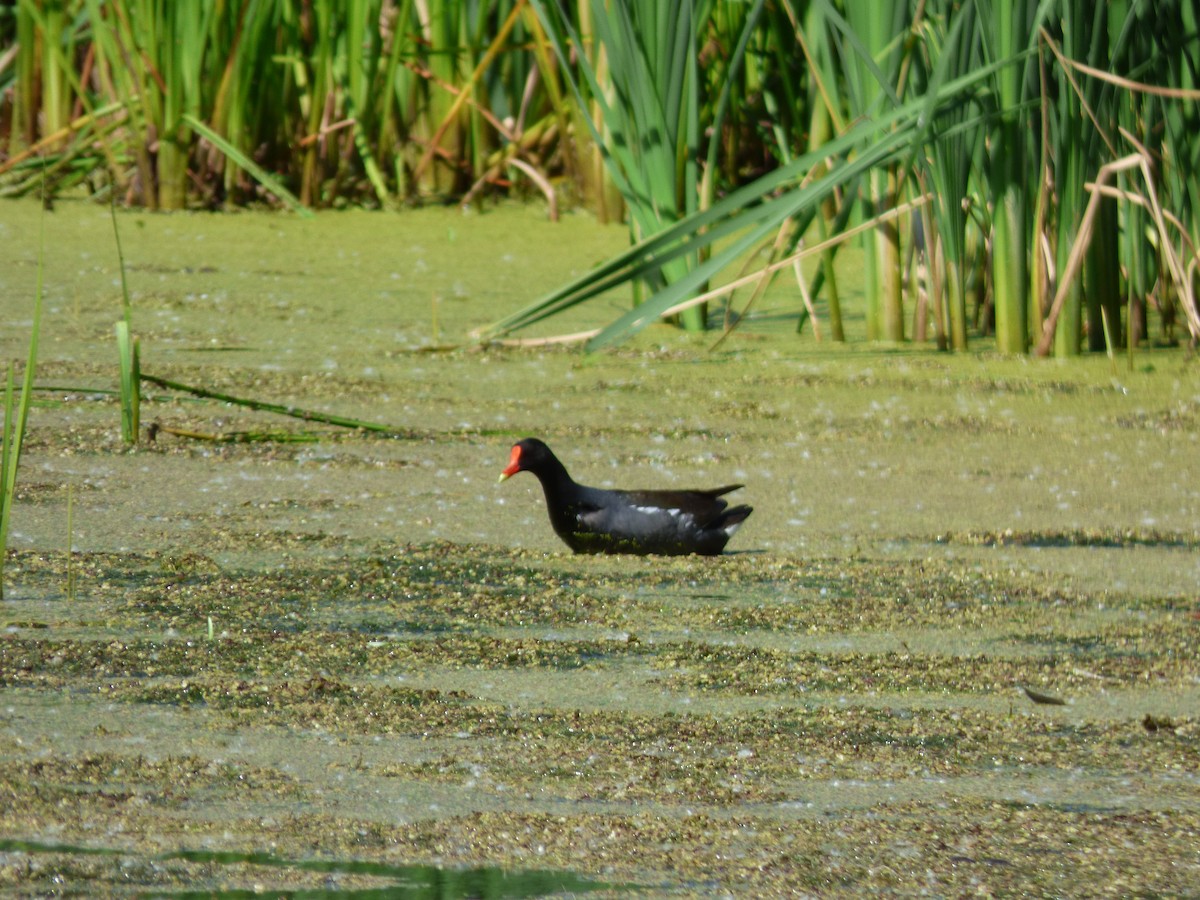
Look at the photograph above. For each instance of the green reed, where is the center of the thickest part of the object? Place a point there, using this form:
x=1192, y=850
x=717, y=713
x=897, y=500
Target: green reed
x=127, y=351
x=657, y=113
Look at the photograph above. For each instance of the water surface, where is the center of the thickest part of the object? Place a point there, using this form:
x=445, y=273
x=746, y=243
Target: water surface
x=361, y=648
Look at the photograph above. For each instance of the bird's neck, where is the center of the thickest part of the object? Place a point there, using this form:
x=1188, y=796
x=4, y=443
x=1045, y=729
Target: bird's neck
x=554, y=478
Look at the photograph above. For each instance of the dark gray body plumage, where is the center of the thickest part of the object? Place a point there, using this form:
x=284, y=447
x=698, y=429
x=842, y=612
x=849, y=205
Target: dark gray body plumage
x=600, y=520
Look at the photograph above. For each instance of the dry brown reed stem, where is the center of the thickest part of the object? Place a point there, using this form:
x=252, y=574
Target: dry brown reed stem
x=730, y=287
x=76, y=124
x=1100, y=188
x=466, y=89
x=803, y=253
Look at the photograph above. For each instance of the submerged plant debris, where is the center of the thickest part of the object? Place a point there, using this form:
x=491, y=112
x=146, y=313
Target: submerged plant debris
x=955, y=650
x=755, y=710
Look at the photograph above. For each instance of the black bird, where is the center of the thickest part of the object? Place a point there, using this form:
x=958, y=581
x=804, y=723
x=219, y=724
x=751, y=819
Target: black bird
x=595, y=520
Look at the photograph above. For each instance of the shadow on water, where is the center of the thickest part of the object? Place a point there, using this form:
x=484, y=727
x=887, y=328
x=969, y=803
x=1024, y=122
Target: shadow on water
x=398, y=882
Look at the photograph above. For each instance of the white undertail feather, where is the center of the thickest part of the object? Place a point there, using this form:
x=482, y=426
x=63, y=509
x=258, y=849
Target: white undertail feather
x=675, y=513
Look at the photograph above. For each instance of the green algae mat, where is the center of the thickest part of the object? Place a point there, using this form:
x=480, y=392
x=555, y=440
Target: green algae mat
x=954, y=650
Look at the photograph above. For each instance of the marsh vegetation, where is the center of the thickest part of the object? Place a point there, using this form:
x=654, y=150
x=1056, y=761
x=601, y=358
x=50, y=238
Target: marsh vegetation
x=1038, y=157
x=955, y=649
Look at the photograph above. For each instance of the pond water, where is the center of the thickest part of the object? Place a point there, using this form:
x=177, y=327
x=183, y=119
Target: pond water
x=954, y=648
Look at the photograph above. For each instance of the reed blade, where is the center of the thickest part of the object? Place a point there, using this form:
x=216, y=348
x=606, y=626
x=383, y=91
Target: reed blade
x=126, y=352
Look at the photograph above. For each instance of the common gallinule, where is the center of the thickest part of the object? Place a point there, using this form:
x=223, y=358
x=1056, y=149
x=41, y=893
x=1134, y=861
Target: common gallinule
x=595, y=520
